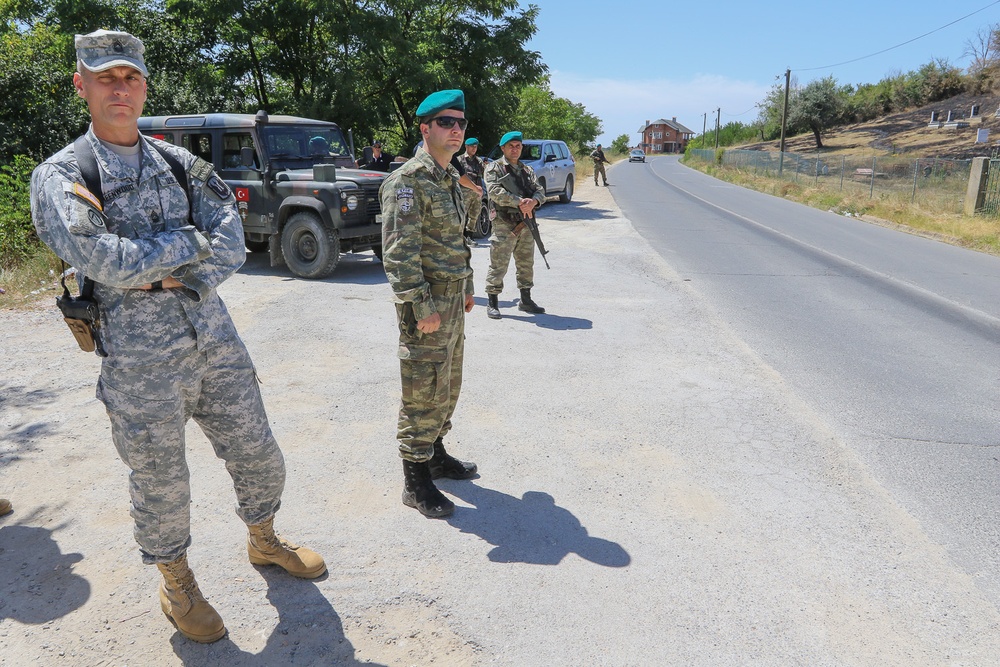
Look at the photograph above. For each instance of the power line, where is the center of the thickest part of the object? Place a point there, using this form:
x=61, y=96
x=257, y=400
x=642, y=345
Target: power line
x=847, y=62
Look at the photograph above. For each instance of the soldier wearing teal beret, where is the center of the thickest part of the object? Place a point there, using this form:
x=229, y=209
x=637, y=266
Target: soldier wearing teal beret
x=514, y=188
x=428, y=265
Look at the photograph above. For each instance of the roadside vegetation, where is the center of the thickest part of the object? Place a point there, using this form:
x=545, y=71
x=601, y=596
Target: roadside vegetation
x=364, y=66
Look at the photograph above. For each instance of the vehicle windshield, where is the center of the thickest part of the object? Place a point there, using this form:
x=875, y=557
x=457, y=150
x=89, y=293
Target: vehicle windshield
x=300, y=147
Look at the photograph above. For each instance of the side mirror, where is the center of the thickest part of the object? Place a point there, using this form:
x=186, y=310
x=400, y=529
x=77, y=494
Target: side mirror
x=246, y=157
x=550, y=158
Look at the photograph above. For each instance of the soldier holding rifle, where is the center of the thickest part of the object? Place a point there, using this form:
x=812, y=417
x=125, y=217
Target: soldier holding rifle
x=512, y=185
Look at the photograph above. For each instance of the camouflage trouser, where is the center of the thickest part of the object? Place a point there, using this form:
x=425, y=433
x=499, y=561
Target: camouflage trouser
x=473, y=206
x=599, y=169
x=430, y=366
x=504, y=243
x=149, y=407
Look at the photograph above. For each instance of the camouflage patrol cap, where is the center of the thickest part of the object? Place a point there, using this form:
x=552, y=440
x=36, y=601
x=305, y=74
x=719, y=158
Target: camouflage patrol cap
x=103, y=49
x=441, y=100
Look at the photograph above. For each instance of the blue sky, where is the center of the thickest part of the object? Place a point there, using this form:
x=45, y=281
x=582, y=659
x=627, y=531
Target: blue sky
x=629, y=61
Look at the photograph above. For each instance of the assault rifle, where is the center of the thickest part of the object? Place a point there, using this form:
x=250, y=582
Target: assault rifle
x=532, y=226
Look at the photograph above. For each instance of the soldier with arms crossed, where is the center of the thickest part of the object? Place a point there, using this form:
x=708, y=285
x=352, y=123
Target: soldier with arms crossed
x=427, y=262
x=155, y=252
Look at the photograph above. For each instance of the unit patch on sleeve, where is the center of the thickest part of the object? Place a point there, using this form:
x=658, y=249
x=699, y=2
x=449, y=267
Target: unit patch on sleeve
x=404, y=197
x=219, y=187
x=201, y=170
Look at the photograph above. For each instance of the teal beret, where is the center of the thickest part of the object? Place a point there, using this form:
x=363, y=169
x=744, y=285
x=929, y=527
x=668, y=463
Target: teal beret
x=510, y=136
x=472, y=141
x=441, y=100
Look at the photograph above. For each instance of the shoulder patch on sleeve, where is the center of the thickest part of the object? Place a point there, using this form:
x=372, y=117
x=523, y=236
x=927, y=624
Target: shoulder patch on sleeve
x=219, y=187
x=201, y=170
x=83, y=193
x=404, y=197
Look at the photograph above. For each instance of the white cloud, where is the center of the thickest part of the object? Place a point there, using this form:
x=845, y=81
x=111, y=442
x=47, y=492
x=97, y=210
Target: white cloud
x=623, y=105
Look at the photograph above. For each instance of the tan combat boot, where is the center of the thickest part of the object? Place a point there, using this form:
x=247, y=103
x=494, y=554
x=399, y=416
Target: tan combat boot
x=266, y=548
x=184, y=604
x=5, y=507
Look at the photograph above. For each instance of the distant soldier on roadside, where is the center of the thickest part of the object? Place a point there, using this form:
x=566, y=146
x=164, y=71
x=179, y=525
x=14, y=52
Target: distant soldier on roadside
x=599, y=159
x=154, y=231
x=474, y=167
x=514, y=189
x=427, y=262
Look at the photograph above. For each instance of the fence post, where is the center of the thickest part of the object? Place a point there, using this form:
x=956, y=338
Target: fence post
x=871, y=189
x=916, y=164
x=843, y=165
x=975, y=195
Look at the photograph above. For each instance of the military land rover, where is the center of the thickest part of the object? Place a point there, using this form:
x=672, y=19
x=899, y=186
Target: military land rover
x=298, y=193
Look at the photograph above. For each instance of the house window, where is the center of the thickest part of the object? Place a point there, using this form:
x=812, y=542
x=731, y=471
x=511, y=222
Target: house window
x=658, y=148
x=657, y=135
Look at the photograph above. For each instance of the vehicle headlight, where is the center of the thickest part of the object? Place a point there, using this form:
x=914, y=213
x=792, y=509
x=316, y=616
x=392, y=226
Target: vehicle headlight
x=352, y=202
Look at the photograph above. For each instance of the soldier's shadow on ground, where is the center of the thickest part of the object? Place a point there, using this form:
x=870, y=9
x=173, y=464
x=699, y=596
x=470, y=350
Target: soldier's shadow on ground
x=575, y=210
x=531, y=529
x=509, y=311
x=309, y=631
x=37, y=582
x=24, y=435
x=361, y=269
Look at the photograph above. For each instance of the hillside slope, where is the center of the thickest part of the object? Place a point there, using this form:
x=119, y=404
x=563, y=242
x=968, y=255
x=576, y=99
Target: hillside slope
x=907, y=133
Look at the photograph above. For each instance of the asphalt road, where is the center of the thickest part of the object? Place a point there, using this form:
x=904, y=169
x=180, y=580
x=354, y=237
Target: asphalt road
x=891, y=337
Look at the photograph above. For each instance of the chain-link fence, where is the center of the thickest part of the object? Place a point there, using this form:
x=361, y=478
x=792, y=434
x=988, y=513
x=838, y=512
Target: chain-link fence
x=938, y=182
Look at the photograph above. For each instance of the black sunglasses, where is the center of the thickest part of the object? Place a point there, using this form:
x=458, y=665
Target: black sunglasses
x=448, y=122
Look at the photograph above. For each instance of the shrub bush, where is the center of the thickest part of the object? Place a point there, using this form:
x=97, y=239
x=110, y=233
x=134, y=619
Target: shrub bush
x=17, y=235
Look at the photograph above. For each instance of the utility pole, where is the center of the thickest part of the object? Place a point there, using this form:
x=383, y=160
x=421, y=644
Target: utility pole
x=704, y=125
x=784, y=121
x=718, y=116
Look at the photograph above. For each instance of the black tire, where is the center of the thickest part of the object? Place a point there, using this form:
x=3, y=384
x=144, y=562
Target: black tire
x=567, y=195
x=377, y=249
x=257, y=246
x=484, y=226
x=311, y=249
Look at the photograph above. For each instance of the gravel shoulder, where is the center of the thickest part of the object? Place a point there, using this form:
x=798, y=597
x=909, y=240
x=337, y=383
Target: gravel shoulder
x=650, y=493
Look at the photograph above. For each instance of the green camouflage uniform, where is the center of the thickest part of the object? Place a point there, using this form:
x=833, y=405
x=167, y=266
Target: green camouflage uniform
x=428, y=265
x=173, y=354
x=503, y=192
x=474, y=167
x=599, y=160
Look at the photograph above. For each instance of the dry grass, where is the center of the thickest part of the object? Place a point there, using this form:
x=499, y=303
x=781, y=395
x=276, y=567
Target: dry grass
x=931, y=215
x=31, y=282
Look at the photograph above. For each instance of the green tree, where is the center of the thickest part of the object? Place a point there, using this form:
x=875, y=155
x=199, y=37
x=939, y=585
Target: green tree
x=542, y=115
x=620, y=144
x=818, y=106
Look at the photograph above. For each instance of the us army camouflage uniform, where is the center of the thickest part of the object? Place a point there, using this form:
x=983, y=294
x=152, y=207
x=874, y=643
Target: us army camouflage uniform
x=428, y=266
x=474, y=167
x=173, y=354
x=504, y=242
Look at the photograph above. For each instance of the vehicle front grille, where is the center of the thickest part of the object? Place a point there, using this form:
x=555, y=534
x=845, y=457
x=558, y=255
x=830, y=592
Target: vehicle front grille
x=373, y=206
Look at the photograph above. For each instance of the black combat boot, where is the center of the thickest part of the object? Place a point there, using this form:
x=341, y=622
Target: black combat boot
x=443, y=464
x=493, y=306
x=527, y=305
x=419, y=491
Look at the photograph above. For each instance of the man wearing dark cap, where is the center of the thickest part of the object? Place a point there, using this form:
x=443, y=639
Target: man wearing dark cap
x=515, y=191
x=427, y=262
x=153, y=251
x=380, y=160
x=597, y=155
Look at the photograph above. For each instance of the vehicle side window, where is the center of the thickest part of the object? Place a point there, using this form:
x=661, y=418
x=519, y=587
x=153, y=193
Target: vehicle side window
x=563, y=151
x=163, y=136
x=231, y=145
x=531, y=152
x=199, y=144
x=550, y=150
